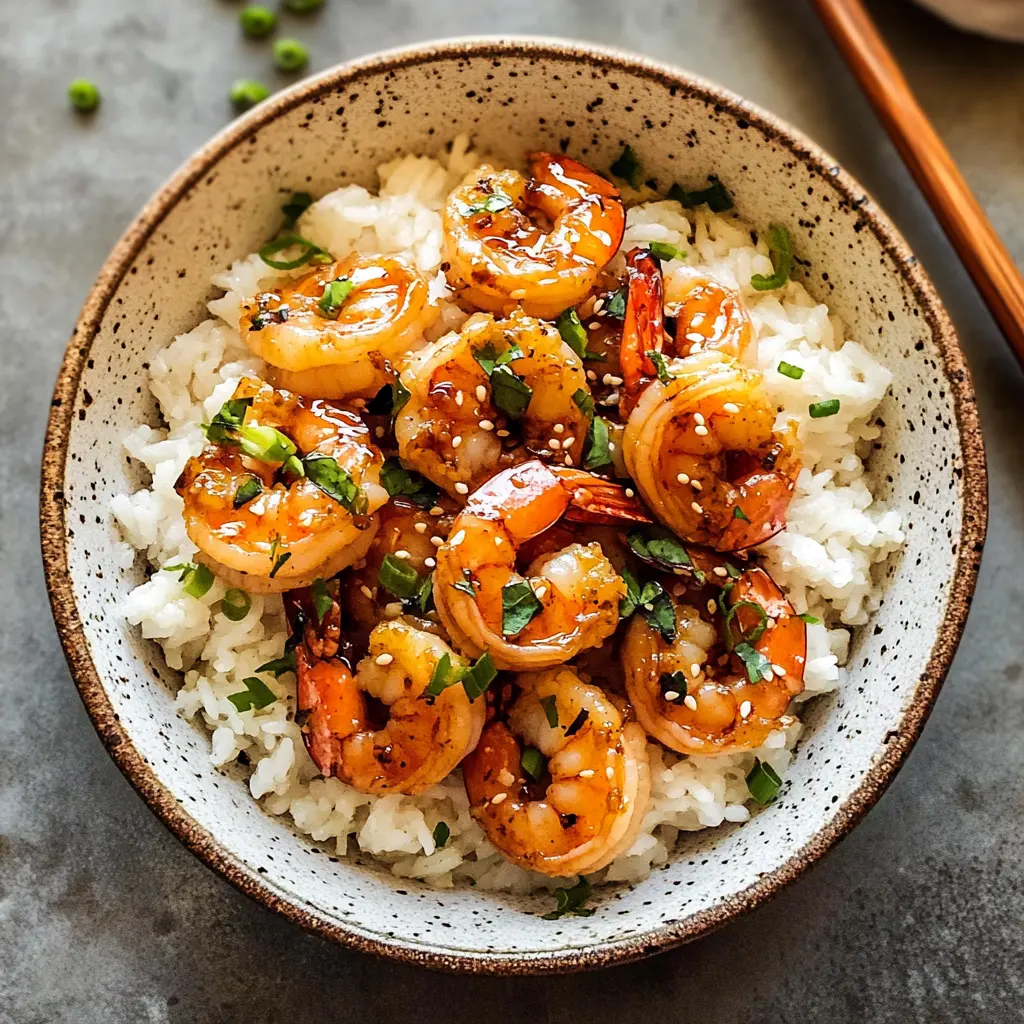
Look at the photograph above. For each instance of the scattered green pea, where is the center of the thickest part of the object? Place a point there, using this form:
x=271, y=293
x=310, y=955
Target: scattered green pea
x=290, y=54
x=302, y=6
x=247, y=93
x=84, y=95
x=257, y=21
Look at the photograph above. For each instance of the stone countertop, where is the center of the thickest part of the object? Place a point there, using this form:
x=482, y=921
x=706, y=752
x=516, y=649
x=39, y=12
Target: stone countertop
x=104, y=917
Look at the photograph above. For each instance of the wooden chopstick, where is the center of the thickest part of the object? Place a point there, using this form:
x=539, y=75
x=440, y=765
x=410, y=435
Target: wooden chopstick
x=964, y=221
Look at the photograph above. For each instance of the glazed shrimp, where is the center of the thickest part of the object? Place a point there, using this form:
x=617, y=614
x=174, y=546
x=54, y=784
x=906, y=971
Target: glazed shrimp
x=574, y=592
x=499, y=253
x=322, y=350
x=588, y=805
x=702, y=447
x=687, y=700
x=422, y=740
x=266, y=530
x=450, y=429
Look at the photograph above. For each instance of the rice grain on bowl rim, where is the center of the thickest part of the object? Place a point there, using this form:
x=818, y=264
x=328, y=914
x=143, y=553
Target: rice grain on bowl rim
x=824, y=559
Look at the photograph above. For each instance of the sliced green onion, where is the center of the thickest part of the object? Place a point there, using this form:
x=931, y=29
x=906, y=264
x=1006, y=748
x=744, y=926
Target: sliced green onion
x=441, y=834
x=466, y=587
x=236, y=605
x=628, y=168
x=299, y=203
x=550, y=706
x=255, y=696
x=398, y=577
x=572, y=332
x=519, y=605
x=293, y=465
x=570, y=901
x=755, y=633
x=334, y=296
x=335, y=482
x=247, y=491
x=533, y=763
x=666, y=252
x=310, y=253
x=819, y=410
x=763, y=782
x=279, y=563
x=443, y=676
x=265, y=443
x=195, y=580
x=584, y=401
x=278, y=666
x=789, y=370
x=303, y=6
x=492, y=204
x=781, y=249
x=811, y=620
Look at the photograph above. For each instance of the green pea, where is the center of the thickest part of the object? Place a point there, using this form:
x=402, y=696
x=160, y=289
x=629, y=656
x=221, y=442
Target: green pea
x=257, y=21
x=290, y=54
x=84, y=95
x=302, y=6
x=247, y=93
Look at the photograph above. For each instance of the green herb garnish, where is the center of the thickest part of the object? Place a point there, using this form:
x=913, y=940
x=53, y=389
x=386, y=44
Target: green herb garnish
x=628, y=604
x=254, y=697
x=195, y=580
x=303, y=6
x=657, y=609
x=334, y=296
x=673, y=686
x=570, y=901
x=781, y=249
x=662, y=549
x=789, y=370
x=322, y=600
x=479, y=676
x=402, y=395
x=615, y=304
x=441, y=834
x=596, y=447
x=251, y=488
x=628, y=168
x=335, y=482
x=278, y=666
x=420, y=600
x=660, y=366
x=755, y=634
x=492, y=204
x=533, y=763
x=550, y=706
x=738, y=513
x=664, y=251
x=716, y=195
x=811, y=620
x=572, y=332
x=236, y=604
x=397, y=480
x=762, y=781
x=819, y=410
x=519, y=605
x=310, y=253
x=228, y=427
x=299, y=203
x=466, y=587
x=398, y=577
x=753, y=661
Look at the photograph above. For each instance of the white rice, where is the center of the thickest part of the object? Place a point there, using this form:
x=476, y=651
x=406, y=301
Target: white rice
x=824, y=559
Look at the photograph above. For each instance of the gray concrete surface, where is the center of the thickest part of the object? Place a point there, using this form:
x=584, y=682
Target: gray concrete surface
x=105, y=918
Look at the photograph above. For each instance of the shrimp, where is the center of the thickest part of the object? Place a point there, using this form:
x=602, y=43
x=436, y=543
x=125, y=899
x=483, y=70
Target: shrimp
x=688, y=699
x=581, y=809
x=451, y=429
x=323, y=351
x=563, y=602
x=258, y=524
x=702, y=445
x=376, y=728
x=500, y=254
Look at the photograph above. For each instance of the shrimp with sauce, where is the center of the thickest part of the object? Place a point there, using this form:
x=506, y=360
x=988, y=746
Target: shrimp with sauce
x=375, y=727
x=563, y=602
x=579, y=799
x=317, y=333
x=453, y=427
x=701, y=444
x=539, y=243
x=256, y=515
x=697, y=701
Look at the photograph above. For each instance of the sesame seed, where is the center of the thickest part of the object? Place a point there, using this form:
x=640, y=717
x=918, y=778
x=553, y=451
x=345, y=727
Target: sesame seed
x=719, y=571
x=437, y=541
x=481, y=393
x=778, y=669
x=459, y=397
x=393, y=610
x=697, y=508
x=456, y=440
x=554, y=444
x=505, y=777
x=458, y=538
x=587, y=773
x=611, y=379
x=437, y=510
x=568, y=442
x=462, y=488
x=694, y=670
x=591, y=375
x=366, y=592
x=698, y=417
x=598, y=306
x=498, y=541
x=690, y=702
x=698, y=319
x=693, y=336
x=499, y=798
x=629, y=492
x=430, y=562
x=611, y=446
x=612, y=399
x=731, y=407
x=745, y=708
x=610, y=773
x=671, y=695
x=682, y=478
x=384, y=659
x=420, y=527
x=678, y=590
x=696, y=485
x=519, y=293
x=486, y=425
x=401, y=553
x=767, y=674
x=379, y=431
x=679, y=571
x=540, y=592
x=593, y=325
x=559, y=428
x=568, y=460
x=502, y=433
x=712, y=608
x=700, y=430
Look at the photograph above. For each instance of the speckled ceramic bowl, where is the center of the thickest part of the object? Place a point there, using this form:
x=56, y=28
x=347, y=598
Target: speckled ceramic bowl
x=513, y=95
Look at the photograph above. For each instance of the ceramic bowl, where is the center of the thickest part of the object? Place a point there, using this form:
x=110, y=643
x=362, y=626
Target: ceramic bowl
x=513, y=95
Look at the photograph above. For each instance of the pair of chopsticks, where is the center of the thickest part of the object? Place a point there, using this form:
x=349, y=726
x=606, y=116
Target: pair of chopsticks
x=965, y=223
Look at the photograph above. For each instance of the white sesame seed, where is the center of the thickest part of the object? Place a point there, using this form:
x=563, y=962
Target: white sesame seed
x=384, y=659
x=607, y=379
x=682, y=478
x=591, y=375
x=611, y=446
x=498, y=541
x=719, y=571
x=612, y=399
x=712, y=608
x=437, y=541
x=554, y=444
x=690, y=702
x=519, y=293
x=366, y=592
x=698, y=417
x=694, y=670
x=505, y=777
x=613, y=380
x=481, y=393
x=629, y=492
x=393, y=610
x=593, y=325
x=778, y=669
x=568, y=460
x=587, y=773
x=420, y=527
x=698, y=319
x=697, y=508
x=379, y=431
x=598, y=306
x=458, y=538
x=671, y=695
x=696, y=485
x=767, y=674
x=502, y=433
x=499, y=798
x=700, y=430
x=437, y=511
x=745, y=708
x=731, y=407
x=430, y=562
x=456, y=440
x=459, y=398
x=462, y=488
x=610, y=774
x=486, y=425
x=540, y=592
x=401, y=553
x=559, y=428
x=693, y=336
x=568, y=442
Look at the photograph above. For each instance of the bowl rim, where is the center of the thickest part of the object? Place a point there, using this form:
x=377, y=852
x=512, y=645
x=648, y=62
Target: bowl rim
x=162, y=802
